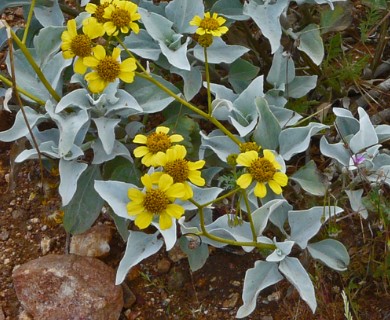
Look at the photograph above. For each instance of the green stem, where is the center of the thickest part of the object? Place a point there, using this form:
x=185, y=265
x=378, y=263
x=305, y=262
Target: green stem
x=206, y=64
x=229, y=241
x=131, y=54
x=22, y=91
x=203, y=114
x=28, y=23
x=249, y=214
x=36, y=68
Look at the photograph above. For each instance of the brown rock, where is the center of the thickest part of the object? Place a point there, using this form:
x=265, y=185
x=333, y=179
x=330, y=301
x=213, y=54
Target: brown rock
x=163, y=266
x=63, y=287
x=93, y=243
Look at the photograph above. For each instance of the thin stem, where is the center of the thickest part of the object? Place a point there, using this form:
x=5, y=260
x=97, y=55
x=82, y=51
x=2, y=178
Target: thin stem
x=36, y=68
x=206, y=64
x=28, y=23
x=22, y=91
x=249, y=214
x=229, y=241
x=16, y=93
x=203, y=114
x=131, y=54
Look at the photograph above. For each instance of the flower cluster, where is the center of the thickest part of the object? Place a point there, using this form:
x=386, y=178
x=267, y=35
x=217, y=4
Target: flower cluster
x=109, y=18
x=163, y=187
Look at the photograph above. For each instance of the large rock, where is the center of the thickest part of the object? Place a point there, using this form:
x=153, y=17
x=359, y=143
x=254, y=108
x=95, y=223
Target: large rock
x=64, y=287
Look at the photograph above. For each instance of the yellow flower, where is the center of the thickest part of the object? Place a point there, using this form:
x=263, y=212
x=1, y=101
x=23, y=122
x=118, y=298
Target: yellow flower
x=263, y=170
x=97, y=11
x=79, y=45
x=209, y=24
x=158, y=141
x=180, y=169
x=120, y=16
x=155, y=200
x=107, y=69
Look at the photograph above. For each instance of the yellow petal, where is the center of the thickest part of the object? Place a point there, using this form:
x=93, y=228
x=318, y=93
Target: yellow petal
x=79, y=66
x=92, y=76
x=143, y=220
x=99, y=52
x=246, y=158
x=195, y=178
x=162, y=129
x=220, y=21
x=165, y=221
x=134, y=209
x=188, y=193
x=161, y=158
x=175, y=210
x=72, y=28
x=176, y=138
x=96, y=86
x=68, y=54
x=281, y=178
x=260, y=190
x=196, y=165
x=140, y=138
x=147, y=181
x=244, y=180
x=275, y=187
x=200, y=31
x=196, y=21
x=128, y=65
x=177, y=190
x=91, y=8
x=110, y=28
x=135, y=194
x=90, y=61
x=116, y=53
x=135, y=27
x=140, y=151
x=127, y=77
x=207, y=15
x=165, y=182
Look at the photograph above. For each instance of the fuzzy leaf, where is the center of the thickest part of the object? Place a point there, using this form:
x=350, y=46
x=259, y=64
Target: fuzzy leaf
x=299, y=278
x=331, y=252
x=70, y=172
x=139, y=246
x=261, y=276
x=220, y=52
x=310, y=42
x=181, y=12
x=266, y=15
x=296, y=140
x=309, y=179
x=305, y=224
x=84, y=208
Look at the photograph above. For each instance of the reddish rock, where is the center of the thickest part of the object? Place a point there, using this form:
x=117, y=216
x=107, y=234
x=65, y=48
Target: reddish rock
x=63, y=287
x=93, y=243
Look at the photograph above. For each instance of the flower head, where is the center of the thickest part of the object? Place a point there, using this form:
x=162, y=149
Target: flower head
x=158, y=141
x=262, y=170
x=108, y=68
x=120, y=16
x=249, y=146
x=97, y=11
x=209, y=24
x=180, y=169
x=79, y=45
x=156, y=200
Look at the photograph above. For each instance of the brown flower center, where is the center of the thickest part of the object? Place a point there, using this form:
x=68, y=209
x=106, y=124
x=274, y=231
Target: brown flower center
x=155, y=201
x=120, y=18
x=178, y=170
x=209, y=24
x=262, y=170
x=108, y=69
x=249, y=146
x=205, y=40
x=158, y=141
x=81, y=45
x=100, y=12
